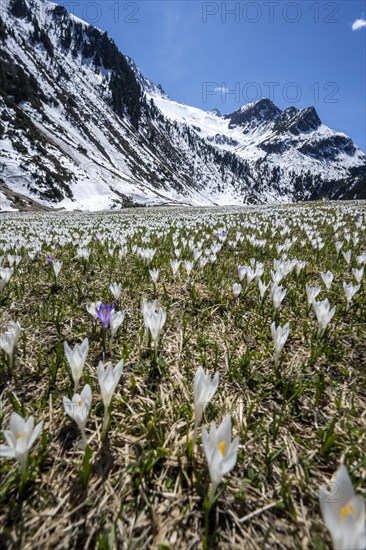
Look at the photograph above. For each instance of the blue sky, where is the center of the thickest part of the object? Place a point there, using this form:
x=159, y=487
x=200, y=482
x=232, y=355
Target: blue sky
x=226, y=54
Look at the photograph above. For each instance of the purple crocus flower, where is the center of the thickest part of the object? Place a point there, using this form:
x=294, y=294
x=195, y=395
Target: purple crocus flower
x=104, y=314
x=49, y=259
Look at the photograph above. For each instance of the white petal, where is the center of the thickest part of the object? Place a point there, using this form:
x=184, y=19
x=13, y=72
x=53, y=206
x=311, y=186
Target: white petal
x=206, y=443
x=344, y=486
x=101, y=372
x=37, y=430
x=17, y=423
x=10, y=438
x=7, y=452
x=224, y=432
x=86, y=394
x=68, y=406
x=229, y=461
x=118, y=369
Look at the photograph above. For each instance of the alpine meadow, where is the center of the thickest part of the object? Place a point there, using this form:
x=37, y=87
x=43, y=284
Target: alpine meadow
x=182, y=275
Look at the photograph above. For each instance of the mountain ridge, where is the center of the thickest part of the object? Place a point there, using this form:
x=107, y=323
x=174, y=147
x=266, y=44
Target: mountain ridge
x=82, y=128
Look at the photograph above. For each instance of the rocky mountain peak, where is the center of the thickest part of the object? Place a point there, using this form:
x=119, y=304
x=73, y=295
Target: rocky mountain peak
x=306, y=120
x=82, y=128
x=254, y=114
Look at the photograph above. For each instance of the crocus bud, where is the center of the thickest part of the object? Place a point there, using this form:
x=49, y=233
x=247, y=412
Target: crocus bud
x=279, y=335
x=116, y=290
x=108, y=378
x=76, y=358
x=237, y=288
x=350, y=291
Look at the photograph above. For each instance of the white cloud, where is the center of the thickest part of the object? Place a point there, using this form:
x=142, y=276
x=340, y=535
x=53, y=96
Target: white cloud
x=358, y=24
x=221, y=89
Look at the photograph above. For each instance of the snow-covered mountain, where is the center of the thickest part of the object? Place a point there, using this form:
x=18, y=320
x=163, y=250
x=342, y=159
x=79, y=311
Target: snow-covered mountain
x=82, y=128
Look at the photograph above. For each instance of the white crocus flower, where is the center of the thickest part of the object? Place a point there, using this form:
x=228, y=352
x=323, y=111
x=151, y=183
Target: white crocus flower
x=155, y=322
x=338, y=246
x=83, y=253
x=154, y=273
x=327, y=278
x=108, y=378
x=299, y=266
x=347, y=256
x=197, y=253
x=242, y=271
x=279, y=335
x=78, y=409
x=188, y=267
x=361, y=259
x=92, y=309
x=20, y=438
x=203, y=261
x=147, y=307
x=344, y=513
x=350, y=291
x=262, y=288
x=204, y=389
x=76, y=358
x=175, y=264
x=358, y=274
x=323, y=314
x=116, y=320
x=221, y=453
x=5, y=276
x=251, y=274
x=57, y=267
x=278, y=294
x=116, y=290
x=237, y=288
x=9, y=339
x=312, y=292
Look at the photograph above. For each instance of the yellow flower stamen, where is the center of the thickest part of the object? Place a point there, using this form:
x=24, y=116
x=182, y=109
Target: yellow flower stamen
x=80, y=403
x=348, y=509
x=222, y=447
x=21, y=435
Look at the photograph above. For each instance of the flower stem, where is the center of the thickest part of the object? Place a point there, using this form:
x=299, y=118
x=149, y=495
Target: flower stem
x=197, y=420
x=105, y=423
x=84, y=442
x=103, y=340
x=211, y=494
x=23, y=476
x=12, y=370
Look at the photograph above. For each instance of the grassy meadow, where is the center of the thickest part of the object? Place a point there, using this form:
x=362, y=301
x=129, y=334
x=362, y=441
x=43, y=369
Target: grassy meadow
x=143, y=484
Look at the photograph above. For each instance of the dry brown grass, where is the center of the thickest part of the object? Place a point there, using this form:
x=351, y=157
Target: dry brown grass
x=145, y=489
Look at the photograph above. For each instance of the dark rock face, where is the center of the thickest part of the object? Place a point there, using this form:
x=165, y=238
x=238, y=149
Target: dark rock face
x=274, y=146
x=282, y=122
x=221, y=139
x=253, y=115
x=306, y=120
x=297, y=121
x=216, y=112
x=329, y=149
